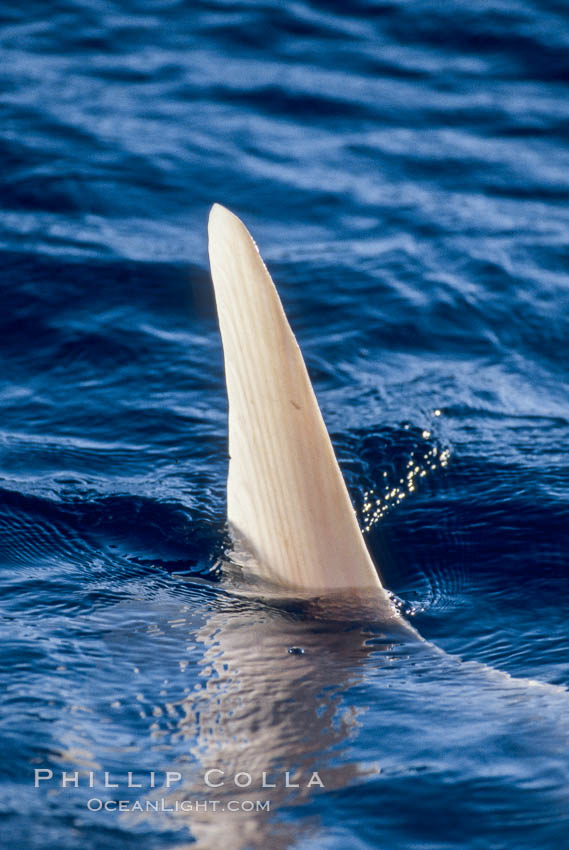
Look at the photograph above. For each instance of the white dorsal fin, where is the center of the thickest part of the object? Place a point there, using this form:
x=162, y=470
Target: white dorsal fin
x=286, y=498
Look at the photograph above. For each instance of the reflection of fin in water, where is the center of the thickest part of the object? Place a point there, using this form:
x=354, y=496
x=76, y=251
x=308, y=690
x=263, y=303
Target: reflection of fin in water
x=287, y=502
x=268, y=728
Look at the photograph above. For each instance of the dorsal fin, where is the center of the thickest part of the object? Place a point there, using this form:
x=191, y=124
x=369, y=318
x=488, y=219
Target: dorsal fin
x=286, y=498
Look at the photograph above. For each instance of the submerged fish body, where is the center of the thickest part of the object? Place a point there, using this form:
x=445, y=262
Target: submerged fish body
x=289, y=687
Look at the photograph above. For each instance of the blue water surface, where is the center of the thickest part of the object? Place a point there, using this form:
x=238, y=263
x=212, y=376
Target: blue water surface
x=404, y=167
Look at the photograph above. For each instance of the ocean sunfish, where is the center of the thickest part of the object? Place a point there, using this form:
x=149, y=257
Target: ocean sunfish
x=283, y=687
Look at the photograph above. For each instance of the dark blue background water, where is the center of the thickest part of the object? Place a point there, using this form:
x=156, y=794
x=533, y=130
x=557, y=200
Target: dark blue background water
x=404, y=167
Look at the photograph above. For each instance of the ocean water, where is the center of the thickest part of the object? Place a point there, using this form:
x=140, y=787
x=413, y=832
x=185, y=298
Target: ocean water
x=404, y=168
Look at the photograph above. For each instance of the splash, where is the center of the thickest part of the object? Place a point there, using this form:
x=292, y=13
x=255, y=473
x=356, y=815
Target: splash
x=421, y=463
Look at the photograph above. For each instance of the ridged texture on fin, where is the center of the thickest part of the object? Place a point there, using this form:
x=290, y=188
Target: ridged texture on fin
x=286, y=498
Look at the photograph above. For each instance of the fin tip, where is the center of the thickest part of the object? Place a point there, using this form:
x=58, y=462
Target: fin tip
x=219, y=214
x=224, y=225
